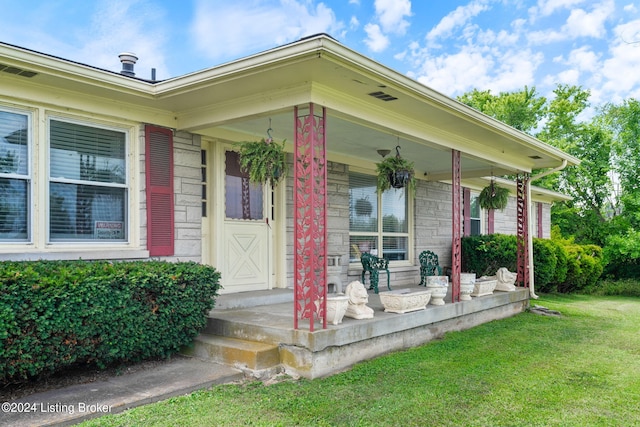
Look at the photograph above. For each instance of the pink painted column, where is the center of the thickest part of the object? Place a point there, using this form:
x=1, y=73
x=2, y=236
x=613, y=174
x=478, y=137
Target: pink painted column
x=310, y=216
x=456, y=250
x=522, y=236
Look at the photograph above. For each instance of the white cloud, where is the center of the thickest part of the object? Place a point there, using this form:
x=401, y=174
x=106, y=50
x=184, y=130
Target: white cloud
x=376, y=41
x=354, y=23
x=263, y=25
x=620, y=70
x=456, y=19
x=549, y=7
x=584, y=24
x=391, y=14
x=478, y=67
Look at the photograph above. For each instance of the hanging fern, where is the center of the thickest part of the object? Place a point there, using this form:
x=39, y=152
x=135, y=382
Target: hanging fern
x=264, y=161
x=389, y=167
x=493, y=197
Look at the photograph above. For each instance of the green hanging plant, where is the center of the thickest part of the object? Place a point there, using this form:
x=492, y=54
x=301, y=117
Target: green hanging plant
x=395, y=172
x=264, y=161
x=493, y=197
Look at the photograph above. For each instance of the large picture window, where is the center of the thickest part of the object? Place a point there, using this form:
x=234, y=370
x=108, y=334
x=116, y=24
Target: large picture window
x=378, y=224
x=88, y=194
x=15, y=183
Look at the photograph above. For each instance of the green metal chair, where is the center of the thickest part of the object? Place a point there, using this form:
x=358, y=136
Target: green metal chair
x=429, y=266
x=373, y=265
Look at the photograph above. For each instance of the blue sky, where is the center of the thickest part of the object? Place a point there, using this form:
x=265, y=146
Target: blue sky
x=452, y=46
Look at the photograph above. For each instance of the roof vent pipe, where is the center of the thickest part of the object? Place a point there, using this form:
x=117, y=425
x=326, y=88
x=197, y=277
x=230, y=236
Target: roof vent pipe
x=128, y=60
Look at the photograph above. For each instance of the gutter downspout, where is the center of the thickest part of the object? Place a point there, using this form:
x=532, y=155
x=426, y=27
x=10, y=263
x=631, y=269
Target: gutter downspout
x=532, y=293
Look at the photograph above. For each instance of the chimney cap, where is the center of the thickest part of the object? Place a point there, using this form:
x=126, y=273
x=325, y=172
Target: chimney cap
x=128, y=57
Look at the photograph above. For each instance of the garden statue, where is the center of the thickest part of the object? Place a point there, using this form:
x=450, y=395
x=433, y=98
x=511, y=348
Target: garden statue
x=358, y=299
x=506, y=280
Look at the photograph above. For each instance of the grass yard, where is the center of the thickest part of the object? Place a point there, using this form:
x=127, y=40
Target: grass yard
x=582, y=369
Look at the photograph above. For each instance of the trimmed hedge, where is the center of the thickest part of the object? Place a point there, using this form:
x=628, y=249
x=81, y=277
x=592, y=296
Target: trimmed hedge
x=54, y=314
x=560, y=265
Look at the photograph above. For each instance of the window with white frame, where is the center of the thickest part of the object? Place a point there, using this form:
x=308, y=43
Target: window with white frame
x=88, y=188
x=475, y=216
x=378, y=224
x=15, y=179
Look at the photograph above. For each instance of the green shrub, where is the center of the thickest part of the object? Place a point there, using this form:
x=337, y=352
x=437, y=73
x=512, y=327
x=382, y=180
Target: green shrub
x=559, y=265
x=545, y=264
x=585, y=267
x=485, y=254
x=54, y=314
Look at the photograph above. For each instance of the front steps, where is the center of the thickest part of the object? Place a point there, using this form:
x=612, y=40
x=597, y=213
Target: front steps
x=242, y=354
x=257, y=359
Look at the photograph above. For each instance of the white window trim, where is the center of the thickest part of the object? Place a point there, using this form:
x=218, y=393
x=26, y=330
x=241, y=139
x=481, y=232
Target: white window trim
x=483, y=214
x=47, y=179
x=410, y=234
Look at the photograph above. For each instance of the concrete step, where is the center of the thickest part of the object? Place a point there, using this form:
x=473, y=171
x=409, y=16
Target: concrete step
x=235, y=352
x=253, y=299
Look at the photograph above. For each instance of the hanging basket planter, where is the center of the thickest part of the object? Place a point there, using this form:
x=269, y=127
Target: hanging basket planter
x=395, y=172
x=264, y=161
x=493, y=197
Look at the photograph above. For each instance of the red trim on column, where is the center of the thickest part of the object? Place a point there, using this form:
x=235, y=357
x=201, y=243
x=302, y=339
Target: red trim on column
x=159, y=190
x=456, y=250
x=466, y=211
x=522, y=237
x=540, y=228
x=491, y=213
x=310, y=217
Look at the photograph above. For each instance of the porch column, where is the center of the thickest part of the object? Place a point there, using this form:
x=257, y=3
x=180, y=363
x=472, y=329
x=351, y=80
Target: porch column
x=309, y=216
x=456, y=250
x=522, y=237
x=491, y=221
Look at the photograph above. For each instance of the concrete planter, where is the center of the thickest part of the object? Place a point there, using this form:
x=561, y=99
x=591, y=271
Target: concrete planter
x=484, y=287
x=336, y=308
x=467, y=285
x=437, y=286
x=404, y=300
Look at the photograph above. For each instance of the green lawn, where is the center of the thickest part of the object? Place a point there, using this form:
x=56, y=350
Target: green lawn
x=582, y=369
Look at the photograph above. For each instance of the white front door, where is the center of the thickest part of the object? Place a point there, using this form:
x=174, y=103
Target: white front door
x=246, y=238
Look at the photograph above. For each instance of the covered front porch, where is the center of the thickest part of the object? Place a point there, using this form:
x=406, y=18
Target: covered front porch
x=254, y=331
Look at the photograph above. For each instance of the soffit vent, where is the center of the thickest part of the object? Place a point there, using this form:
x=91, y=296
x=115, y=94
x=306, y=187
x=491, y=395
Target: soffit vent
x=17, y=71
x=383, y=96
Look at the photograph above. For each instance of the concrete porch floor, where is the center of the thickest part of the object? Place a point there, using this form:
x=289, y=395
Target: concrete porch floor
x=266, y=317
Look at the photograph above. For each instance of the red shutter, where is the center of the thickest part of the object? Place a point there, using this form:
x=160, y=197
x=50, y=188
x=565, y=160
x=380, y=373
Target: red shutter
x=159, y=179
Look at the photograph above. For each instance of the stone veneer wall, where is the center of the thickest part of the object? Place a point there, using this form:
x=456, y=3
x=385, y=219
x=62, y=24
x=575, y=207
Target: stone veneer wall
x=187, y=187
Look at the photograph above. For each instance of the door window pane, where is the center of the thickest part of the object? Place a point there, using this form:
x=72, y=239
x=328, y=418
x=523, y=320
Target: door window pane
x=243, y=199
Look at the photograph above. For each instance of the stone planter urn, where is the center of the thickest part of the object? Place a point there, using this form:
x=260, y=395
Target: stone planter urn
x=437, y=286
x=336, y=308
x=467, y=284
x=404, y=300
